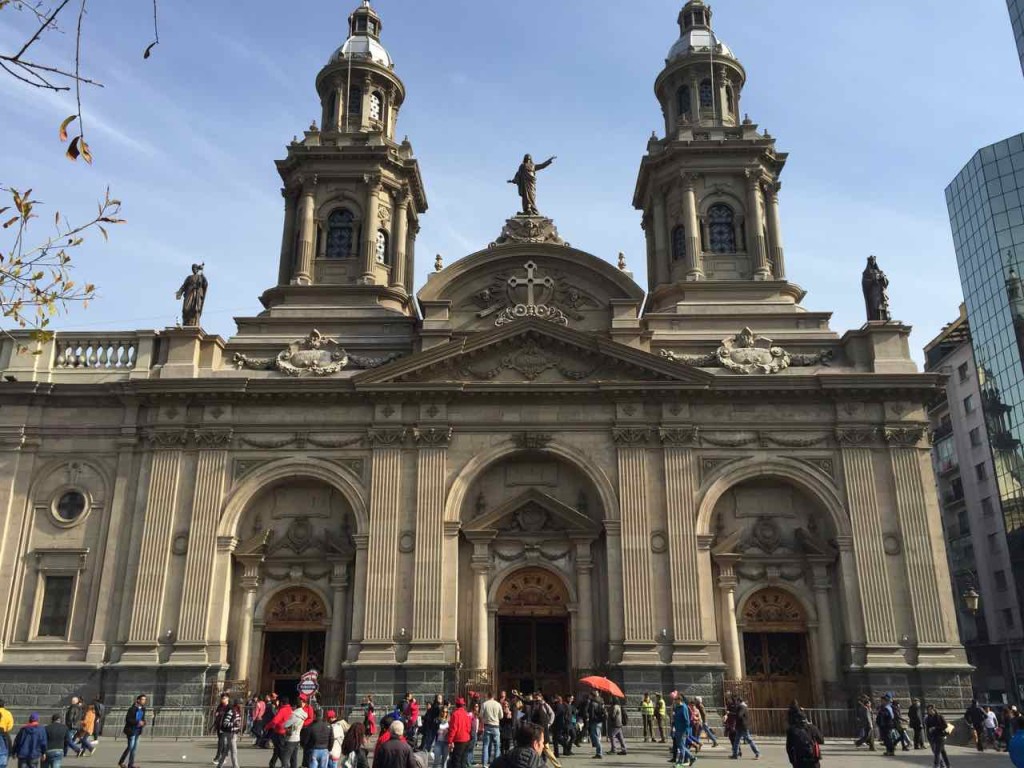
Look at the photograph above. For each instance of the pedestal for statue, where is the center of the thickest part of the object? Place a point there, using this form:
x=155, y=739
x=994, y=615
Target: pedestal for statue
x=523, y=228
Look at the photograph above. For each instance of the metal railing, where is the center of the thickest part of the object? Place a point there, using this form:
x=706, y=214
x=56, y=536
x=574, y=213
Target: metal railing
x=833, y=723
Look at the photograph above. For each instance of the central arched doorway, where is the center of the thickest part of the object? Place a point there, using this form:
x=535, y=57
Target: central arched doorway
x=776, y=652
x=533, y=639
x=294, y=639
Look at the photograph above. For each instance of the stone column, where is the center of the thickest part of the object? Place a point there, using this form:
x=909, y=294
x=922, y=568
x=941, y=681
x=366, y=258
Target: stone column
x=584, y=625
x=694, y=256
x=755, y=226
x=724, y=107
x=367, y=91
x=243, y=652
x=775, y=249
x=307, y=238
x=661, y=255
x=154, y=559
x=429, y=586
x=681, y=481
x=410, y=255
x=481, y=564
x=695, y=107
x=616, y=629
x=107, y=608
x=362, y=542
x=730, y=631
x=370, y=226
x=284, y=273
x=385, y=500
x=211, y=475
x=922, y=538
x=636, y=537
x=336, y=639
x=822, y=586
x=870, y=573
x=399, y=235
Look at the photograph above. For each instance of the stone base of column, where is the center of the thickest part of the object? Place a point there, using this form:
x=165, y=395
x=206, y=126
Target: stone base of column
x=762, y=275
x=139, y=654
x=427, y=652
x=96, y=653
x=695, y=275
x=376, y=652
x=189, y=653
x=634, y=654
x=941, y=657
x=885, y=657
x=701, y=654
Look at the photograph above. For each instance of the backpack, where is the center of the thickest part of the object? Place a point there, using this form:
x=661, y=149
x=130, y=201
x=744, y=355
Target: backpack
x=805, y=748
x=625, y=715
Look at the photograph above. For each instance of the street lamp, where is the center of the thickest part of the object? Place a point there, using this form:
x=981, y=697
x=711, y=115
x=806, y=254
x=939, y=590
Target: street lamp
x=971, y=600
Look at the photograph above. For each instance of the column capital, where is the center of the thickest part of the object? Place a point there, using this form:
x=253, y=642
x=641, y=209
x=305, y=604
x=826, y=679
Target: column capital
x=679, y=437
x=689, y=180
x=250, y=583
x=704, y=542
x=339, y=581
x=374, y=181
x=386, y=438
x=362, y=540
x=432, y=437
x=844, y=543
x=452, y=528
x=613, y=527
x=727, y=580
x=226, y=544
x=631, y=437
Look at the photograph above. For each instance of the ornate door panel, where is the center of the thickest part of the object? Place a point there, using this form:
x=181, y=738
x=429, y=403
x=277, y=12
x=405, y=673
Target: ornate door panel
x=533, y=654
x=777, y=669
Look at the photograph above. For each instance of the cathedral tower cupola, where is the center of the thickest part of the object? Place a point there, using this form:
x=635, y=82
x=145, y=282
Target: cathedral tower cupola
x=709, y=187
x=353, y=191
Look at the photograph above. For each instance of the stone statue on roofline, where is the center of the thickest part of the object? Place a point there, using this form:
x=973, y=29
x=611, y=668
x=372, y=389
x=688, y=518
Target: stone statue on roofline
x=876, y=292
x=526, y=182
x=193, y=296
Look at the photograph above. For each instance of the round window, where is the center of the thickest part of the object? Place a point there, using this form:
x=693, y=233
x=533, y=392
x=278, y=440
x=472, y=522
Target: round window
x=70, y=506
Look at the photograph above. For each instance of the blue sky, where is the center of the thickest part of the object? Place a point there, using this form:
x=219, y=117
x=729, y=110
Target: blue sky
x=878, y=103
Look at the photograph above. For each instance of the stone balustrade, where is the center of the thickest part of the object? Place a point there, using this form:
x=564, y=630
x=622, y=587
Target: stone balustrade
x=120, y=352
x=77, y=356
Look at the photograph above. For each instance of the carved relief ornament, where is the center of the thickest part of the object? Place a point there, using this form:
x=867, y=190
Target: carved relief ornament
x=631, y=436
x=386, y=438
x=907, y=437
x=315, y=355
x=749, y=354
x=532, y=441
x=433, y=437
x=679, y=436
x=188, y=438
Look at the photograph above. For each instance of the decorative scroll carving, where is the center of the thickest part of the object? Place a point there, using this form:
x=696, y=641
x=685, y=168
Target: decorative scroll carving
x=188, y=438
x=774, y=609
x=729, y=441
x=529, y=229
x=747, y=353
x=315, y=355
x=679, y=436
x=793, y=442
x=296, y=606
x=905, y=436
x=631, y=436
x=269, y=443
x=855, y=437
x=433, y=437
x=386, y=438
x=530, y=362
x=532, y=592
x=322, y=441
x=532, y=441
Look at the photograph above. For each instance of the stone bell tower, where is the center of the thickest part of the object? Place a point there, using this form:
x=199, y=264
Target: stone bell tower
x=709, y=187
x=353, y=194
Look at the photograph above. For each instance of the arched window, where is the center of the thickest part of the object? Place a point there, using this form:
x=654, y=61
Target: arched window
x=383, y=257
x=683, y=100
x=355, y=102
x=679, y=243
x=707, y=96
x=721, y=229
x=340, y=234
x=376, y=106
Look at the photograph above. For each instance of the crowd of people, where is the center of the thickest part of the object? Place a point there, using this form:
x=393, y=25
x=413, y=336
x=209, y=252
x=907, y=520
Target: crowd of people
x=77, y=729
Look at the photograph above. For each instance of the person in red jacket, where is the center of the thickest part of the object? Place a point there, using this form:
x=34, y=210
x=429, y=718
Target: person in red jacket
x=276, y=729
x=459, y=733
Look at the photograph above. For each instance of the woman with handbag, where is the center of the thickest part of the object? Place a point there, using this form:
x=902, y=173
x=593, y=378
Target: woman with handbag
x=937, y=729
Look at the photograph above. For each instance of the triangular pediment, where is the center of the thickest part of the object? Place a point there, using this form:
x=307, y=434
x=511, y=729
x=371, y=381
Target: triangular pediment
x=533, y=512
x=534, y=352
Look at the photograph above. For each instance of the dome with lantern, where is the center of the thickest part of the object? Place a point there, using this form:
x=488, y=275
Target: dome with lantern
x=364, y=26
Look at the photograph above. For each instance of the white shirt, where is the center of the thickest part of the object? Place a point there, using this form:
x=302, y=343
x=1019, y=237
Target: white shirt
x=490, y=712
x=990, y=720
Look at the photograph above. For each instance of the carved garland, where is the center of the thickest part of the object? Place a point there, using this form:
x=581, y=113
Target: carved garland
x=532, y=592
x=296, y=606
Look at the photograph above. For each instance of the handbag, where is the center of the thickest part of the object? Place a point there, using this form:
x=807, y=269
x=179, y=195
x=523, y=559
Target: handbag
x=950, y=728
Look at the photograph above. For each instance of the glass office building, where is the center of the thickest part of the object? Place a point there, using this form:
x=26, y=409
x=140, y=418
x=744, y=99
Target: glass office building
x=1017, y=21
x=986, y=209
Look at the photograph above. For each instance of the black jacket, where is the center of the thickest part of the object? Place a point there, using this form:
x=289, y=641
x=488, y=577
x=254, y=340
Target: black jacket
x=394, y=753
x=318, y=735
x=520, y=757
x=936, y=725
x=914, y=716
x=73, y=716
x=56, y=735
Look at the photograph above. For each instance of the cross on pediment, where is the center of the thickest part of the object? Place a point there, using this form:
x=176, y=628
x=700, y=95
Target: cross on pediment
x=531, y=282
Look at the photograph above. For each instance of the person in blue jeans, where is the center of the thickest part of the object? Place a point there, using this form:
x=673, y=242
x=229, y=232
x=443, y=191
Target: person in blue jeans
x=134, y=722
x=595, y=718
x=682, y=730
x=743, y=730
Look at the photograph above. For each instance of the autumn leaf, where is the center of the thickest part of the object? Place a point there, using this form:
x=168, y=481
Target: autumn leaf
x=73, y=151
x=86, y=154
x=64, y=126
x=149, y=49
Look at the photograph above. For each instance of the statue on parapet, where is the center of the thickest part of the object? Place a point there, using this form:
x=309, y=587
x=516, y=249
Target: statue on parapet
x=526, y=182
x=193, y=296
x=876, y=292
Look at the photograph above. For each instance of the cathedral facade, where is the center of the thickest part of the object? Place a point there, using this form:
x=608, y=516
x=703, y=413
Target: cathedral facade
x=529, y=470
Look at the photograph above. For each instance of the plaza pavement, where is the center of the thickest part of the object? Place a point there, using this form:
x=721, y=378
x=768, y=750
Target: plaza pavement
x=161, y=753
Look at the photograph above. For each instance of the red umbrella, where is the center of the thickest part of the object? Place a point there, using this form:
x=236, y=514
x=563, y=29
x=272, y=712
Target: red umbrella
x=604, y=685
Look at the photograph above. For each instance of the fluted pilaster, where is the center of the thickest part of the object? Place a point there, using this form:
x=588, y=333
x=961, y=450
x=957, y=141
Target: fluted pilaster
x=148, y=601
x=636, y=557
x=429, y=586
x=385, y=498
x=868, y=547
x=211, y=474
x=680, y=486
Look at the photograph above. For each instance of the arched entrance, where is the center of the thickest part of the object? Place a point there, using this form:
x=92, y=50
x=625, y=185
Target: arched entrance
x=533, y=632
x=776, y=653
x=296, y=621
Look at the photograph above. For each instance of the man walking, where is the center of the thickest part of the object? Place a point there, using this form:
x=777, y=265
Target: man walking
x=275, y=729
x=615, y=723
x=490, y=716
x=743, y=730
x=886, y=721
x=865, y=728
x=57, y=738
x=803, y=744
x=134, y=723
x=72, y=721
x=915, y=716
x=595, y=719
x=975, y=717
x=30, y=743
x=705, y=729
x=459, y=734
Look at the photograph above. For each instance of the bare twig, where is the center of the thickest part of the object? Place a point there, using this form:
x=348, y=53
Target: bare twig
x=42, y=28
x=78, y=61
x=156, y=35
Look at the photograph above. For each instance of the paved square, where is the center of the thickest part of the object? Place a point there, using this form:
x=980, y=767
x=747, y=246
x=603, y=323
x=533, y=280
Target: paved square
x=167, y=752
